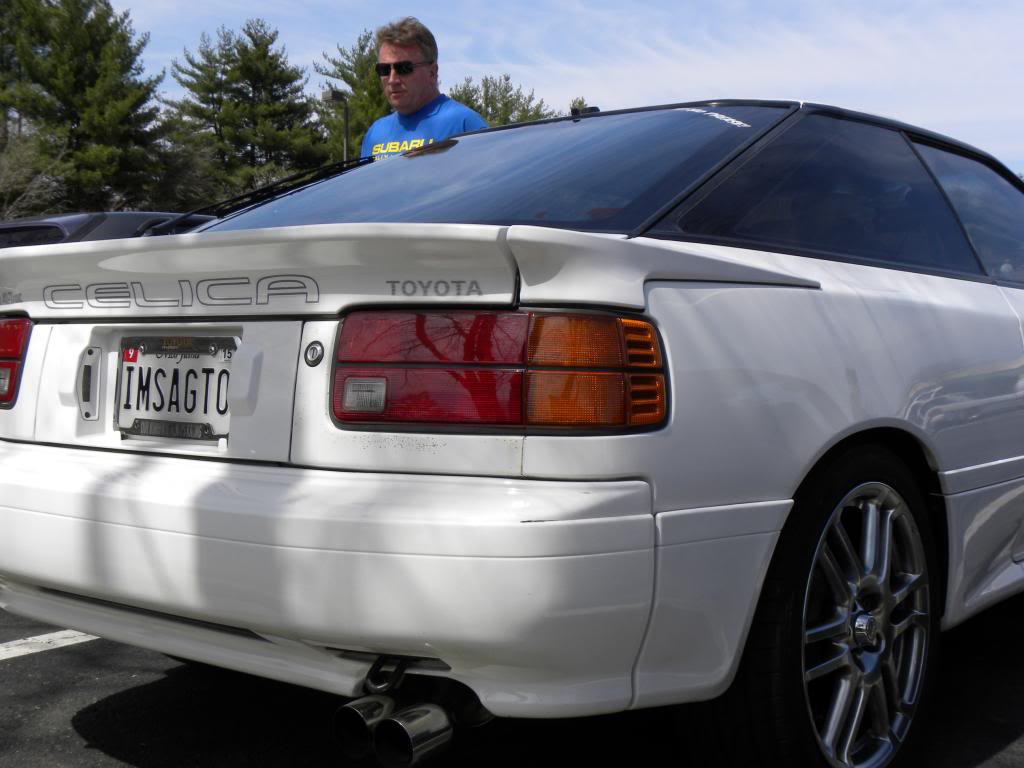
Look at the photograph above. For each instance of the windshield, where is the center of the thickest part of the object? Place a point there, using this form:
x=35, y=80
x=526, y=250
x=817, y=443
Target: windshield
x=603, y=173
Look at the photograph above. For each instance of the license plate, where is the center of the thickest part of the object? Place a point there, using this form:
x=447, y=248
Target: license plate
x=174, y=386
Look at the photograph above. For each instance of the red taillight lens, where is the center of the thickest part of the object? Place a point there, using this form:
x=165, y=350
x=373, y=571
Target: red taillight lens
x=422, y=337
x=499, y=369
x=13, y=341
x=428, y=395
x=13, y=335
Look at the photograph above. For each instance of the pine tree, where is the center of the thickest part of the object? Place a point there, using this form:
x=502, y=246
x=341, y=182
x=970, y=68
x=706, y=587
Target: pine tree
x=185, y=163
x=499, y=102
x=247, y=102
x=196, y=121
x=84, y=93
x=9, y=71
x=578, y=104
x=352, y=72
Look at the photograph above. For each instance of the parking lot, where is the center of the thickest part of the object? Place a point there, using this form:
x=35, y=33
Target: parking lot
x=99, y=703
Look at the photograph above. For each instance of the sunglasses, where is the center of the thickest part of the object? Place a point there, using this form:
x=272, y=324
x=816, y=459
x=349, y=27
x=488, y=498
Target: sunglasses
x=401, y=67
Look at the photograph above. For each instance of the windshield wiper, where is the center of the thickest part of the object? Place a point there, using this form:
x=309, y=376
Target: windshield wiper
x=262, y=194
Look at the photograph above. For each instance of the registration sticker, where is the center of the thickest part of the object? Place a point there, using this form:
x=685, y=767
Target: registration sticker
x=175, y=386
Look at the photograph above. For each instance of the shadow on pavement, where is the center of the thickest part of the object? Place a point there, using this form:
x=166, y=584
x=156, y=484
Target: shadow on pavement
x=197, y=716
x=978, y=713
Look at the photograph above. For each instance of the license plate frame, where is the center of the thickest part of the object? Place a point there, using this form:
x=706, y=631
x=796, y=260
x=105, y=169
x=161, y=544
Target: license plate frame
x=198, y=402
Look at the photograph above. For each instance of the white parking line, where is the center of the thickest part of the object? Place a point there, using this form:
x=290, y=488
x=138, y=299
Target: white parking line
x=39, y=643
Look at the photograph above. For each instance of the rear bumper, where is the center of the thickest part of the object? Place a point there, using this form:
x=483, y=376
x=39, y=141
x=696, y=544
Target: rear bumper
x=546, y=598
x=536, y=594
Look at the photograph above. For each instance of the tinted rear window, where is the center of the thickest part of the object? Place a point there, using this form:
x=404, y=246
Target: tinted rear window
x=605, y=173
x=837, y=187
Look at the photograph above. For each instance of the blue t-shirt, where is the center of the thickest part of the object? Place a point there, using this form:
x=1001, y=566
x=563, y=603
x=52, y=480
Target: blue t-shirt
x=437, y=120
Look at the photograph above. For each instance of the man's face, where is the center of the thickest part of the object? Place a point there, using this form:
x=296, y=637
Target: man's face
x=407, y=93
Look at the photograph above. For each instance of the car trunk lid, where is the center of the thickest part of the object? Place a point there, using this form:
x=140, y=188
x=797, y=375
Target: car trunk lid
x=250, y=302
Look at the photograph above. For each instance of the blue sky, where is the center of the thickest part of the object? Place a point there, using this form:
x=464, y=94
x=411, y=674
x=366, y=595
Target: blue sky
x=953, y=67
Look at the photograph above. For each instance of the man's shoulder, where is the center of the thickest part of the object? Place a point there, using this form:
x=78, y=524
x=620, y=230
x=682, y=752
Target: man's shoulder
x=457, y=107
x=457, y=110
x=383, y=122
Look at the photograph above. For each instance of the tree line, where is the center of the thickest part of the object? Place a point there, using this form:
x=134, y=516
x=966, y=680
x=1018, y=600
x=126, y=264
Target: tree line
x=82, y=128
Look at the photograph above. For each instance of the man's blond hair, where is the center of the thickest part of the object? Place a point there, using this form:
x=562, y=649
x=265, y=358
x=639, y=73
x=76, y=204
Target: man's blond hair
x=409, y=31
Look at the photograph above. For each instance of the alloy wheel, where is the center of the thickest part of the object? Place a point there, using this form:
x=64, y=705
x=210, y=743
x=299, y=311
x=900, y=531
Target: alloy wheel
x=866, y=628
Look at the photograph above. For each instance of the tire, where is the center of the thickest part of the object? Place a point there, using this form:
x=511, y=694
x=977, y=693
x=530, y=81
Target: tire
x=844, y=642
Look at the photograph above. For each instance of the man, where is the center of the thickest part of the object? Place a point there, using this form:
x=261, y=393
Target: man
x=407, y=66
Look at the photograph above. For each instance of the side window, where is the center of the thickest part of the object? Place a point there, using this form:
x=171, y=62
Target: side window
x=837, y=187
x=991, y=208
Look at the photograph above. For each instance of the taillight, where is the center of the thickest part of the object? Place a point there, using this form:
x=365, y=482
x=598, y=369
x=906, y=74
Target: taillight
x=499, y=369
x=13, y=341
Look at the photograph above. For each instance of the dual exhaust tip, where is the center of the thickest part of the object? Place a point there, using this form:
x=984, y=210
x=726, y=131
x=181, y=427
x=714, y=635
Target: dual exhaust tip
x=371, y=725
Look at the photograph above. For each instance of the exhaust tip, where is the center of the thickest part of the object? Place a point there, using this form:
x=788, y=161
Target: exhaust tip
x=411, y=735
x=354, y=724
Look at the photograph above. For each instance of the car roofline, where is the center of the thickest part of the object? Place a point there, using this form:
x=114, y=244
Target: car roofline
x=915, y=131
x=780, y=104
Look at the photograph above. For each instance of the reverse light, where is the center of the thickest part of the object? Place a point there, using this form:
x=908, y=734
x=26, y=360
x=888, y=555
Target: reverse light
x=365, y=395
x=499, y=369
x=13, y=341
x=6, y=372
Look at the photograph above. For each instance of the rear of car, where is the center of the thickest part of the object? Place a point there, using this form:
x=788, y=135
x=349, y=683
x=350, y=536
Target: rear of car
x=297, y=531
x=526, y=410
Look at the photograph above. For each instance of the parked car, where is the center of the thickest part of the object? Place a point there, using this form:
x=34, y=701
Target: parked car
x=715, y=401
x=76, y=227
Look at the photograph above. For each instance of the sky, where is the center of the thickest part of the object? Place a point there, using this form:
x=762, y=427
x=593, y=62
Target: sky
x=955, y=67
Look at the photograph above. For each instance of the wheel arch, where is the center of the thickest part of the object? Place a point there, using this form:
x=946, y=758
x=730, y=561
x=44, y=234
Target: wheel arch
x=921, y=462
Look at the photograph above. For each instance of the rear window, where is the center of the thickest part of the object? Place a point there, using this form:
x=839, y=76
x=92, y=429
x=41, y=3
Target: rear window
x=604, y=173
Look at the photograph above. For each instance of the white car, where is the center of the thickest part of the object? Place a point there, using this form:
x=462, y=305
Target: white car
x=608, y=412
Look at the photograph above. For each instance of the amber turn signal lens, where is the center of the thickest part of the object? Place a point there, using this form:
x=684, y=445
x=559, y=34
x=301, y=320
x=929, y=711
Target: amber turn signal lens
x=569, y=341
x=647, y=402
x=642, y=347
x=556, y=399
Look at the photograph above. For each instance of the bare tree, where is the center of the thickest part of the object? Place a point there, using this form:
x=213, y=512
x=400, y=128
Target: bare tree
x=30, y=183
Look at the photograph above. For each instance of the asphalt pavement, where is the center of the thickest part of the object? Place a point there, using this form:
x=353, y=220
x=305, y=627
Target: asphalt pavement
x=99, y=703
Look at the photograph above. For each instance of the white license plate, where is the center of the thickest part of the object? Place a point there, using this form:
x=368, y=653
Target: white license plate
x=174, y=386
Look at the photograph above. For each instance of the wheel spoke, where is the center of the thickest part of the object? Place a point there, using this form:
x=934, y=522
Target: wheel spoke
x=914, y=619
x=834, y=575
x=880, y=720
x=912, y=582
x=838, y=712
x=841, y=660
x=891, y=682
x=846, y=553
x=829, y=630
x=877, y=545
x=855, y=720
